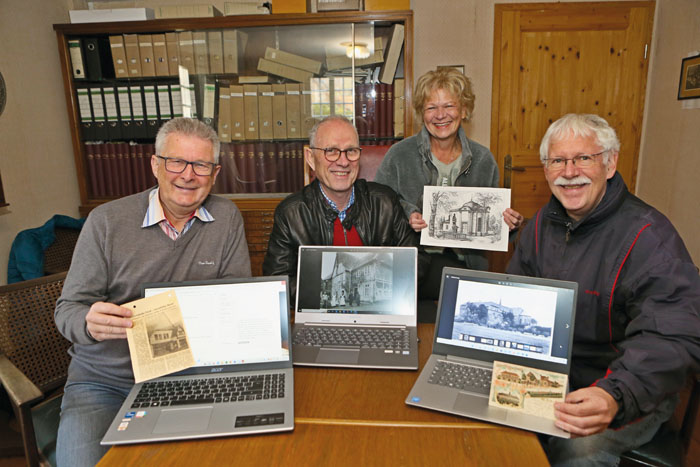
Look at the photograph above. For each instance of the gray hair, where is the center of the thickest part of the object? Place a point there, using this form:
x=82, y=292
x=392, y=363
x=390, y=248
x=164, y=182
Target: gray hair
x=332, y=118
x=188, y=127
x=581, y=125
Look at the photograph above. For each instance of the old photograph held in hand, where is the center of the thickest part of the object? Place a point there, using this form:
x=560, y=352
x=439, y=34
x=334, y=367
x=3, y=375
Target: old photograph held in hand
x=528, y=390
x=158, y=343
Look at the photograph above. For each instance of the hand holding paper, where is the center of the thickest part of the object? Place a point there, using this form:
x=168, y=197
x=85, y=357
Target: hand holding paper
x=158, y=343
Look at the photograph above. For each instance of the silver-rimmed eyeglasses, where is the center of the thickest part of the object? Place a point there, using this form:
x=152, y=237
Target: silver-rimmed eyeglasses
x=581, y=161
x=333, y=154
x=177, y=166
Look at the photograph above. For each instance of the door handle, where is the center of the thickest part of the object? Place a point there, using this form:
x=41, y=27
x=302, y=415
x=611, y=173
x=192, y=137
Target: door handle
x=508, y=170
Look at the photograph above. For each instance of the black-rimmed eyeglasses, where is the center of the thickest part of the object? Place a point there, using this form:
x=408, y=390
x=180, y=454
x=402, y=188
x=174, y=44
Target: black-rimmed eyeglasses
x=333, y=154
x=581, y=161
x=177, y=166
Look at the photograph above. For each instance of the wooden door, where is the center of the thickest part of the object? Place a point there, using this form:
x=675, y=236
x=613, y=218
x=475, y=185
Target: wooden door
x=551, y=59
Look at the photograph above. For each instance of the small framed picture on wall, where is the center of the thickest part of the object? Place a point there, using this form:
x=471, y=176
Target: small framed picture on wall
x=689, y=86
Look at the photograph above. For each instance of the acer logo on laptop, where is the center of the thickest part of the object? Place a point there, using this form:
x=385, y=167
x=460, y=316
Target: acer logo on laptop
x=217, y=370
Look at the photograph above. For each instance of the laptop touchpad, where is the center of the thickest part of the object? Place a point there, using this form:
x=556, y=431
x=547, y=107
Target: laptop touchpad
x=478, y=407
x=337, y=356
x=181, y=420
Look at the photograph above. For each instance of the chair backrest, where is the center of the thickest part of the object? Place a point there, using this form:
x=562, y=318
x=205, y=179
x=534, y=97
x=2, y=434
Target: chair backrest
x=28, y=334
x=58, y=255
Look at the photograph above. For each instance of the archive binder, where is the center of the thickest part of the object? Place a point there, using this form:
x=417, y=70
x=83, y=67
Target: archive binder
x=87, y=132
x=133, y=58
x=160, y=55
x=116, y=45
x=125, y=116
x=98, y=113
x=112, y=124
x=140, y=129
x=75, y=49
x=148, y=66
x=98, y=63
x=165, y=112
x=150, y=101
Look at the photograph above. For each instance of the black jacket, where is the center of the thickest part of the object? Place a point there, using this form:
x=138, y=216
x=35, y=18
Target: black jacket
x=305, y=218
x=637, y=329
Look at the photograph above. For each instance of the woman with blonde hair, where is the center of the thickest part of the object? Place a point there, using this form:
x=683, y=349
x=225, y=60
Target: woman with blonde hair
x=441, y=155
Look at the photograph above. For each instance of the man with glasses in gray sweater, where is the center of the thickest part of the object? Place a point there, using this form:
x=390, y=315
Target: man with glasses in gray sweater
x=173, y=232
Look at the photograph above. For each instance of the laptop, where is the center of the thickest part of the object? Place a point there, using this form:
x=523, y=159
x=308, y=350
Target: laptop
x=356, y=307
x=482, y=317
x=242, y=381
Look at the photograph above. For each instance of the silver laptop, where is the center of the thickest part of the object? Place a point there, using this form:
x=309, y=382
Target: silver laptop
x=242, y=381
x=356, y=307
x=483, y=317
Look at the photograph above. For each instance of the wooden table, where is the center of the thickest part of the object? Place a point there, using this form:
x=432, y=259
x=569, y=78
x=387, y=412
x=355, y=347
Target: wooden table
x=353, y=417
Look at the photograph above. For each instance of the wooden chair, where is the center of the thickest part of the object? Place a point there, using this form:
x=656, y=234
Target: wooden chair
x=669, y=447
x=33, y=361
x=58, y=255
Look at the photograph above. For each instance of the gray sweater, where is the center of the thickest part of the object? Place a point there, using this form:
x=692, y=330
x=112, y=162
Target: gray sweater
x=115, y=255
x=407, y=168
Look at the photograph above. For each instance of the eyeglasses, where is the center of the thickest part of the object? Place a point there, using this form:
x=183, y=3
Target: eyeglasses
x=177, y=166
x=333, y=154
x=581, y=161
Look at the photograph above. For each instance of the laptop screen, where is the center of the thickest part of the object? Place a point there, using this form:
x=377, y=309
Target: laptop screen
x=357, y=280
x=506, y=317
x=233, y=321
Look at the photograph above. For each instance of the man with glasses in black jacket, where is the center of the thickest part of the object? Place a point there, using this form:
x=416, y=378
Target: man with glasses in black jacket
x=336, y=208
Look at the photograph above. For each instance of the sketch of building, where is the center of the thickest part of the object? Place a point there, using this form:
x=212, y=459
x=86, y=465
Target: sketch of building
x=358, y=279
x=470, y=219
x=465, y=217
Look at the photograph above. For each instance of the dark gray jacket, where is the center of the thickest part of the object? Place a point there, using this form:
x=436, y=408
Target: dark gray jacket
x=637, y=328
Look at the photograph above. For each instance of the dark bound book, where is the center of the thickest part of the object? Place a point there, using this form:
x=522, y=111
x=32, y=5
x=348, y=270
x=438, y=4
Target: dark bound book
x=110, y=168
x=92, y=170
x=250, y=179
x=389, y=115
x=381, y=111
x=271, y=168
x=239, y=150
x=260, y=168
x=148, y=150
x=370, y=117
x=127, y=183
x=220, y=183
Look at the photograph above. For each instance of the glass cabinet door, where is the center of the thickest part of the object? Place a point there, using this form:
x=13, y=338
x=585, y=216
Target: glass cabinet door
x=262, y=88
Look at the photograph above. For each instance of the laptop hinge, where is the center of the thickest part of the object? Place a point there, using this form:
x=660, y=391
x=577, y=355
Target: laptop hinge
x=467, y=361
x=362, y=325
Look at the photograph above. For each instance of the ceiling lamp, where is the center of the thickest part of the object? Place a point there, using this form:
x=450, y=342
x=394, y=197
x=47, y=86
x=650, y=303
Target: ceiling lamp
x=360, y=49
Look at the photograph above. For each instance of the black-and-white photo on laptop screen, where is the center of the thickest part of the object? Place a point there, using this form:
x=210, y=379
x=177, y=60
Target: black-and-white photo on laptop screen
x=364, y=281
x=511, y=320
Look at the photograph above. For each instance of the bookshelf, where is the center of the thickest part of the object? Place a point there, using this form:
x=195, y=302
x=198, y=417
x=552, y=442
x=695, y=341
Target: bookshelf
x=261, y=81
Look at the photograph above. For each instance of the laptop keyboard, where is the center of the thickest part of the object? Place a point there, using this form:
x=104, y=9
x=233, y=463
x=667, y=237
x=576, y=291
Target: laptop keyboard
x=210, y=390
x=392, y=340
x=461, y=376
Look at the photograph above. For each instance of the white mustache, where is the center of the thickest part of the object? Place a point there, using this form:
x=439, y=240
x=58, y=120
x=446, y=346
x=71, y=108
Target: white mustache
x=578, y=180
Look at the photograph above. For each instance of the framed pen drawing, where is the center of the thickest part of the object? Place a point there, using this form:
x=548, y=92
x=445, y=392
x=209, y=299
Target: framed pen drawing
x=689, y=86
